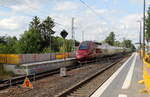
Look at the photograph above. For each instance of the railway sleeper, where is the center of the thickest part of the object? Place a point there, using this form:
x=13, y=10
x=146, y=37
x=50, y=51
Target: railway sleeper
x=87, y=87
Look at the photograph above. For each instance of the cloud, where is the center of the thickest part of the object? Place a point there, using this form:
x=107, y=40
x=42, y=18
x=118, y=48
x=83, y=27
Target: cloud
x=10, y=2
x=13, y=26
x=131, y=20
x=62, y=21
x=9, y=24
x=136, y=1
x=140, y=2
x=129, y=27
x=95, y=26
x=66, y=6
x=97, y=11
x=124, y=27
x=23, y=6
x=28, y=6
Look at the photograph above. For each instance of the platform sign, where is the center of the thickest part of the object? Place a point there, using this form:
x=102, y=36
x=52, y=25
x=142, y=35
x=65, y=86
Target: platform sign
x=27, y=83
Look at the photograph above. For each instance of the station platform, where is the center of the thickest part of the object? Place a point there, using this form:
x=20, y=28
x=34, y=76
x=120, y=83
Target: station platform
x=124, y=82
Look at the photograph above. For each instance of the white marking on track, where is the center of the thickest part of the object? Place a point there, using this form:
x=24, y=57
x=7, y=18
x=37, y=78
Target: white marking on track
x=100, y=91
x=128, y=79
x=122, y=95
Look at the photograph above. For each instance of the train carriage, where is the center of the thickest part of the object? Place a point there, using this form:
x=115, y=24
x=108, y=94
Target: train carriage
x=88, y=50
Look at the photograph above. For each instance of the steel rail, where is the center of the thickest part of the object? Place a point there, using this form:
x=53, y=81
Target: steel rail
x=67, y=92
x=19, y=80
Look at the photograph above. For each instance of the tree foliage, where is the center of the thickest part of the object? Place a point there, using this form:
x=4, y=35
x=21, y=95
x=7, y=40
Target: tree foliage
x=38, y=38
x=8, y=44
x=30, y=42
x=128, y=44
x=35, y=23
x=147, y=26
x=117, y=43
x=110, y=39
x=125, y=43
x=47, y=32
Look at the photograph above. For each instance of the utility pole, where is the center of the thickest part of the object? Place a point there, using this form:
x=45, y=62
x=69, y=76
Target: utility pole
x=82, y=35
x=73, y=35
x=144, y=29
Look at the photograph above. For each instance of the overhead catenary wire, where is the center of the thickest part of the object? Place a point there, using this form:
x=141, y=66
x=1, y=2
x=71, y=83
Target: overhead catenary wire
x=89, y=7
x=92, y=10
x=97, y=14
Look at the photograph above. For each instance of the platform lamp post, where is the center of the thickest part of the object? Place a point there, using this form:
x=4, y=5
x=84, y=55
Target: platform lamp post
x=144, y=28
x=140, y=34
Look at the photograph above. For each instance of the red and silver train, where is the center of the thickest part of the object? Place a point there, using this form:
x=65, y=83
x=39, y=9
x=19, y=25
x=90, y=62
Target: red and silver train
x=88, y=50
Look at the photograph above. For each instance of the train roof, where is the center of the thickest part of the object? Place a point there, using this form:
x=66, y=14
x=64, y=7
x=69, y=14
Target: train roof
x=107, y=46
x=98, y=43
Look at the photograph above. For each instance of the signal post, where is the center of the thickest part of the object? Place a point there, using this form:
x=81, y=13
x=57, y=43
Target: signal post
x=63, y=69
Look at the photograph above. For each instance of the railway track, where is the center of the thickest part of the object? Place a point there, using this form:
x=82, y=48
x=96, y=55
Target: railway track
x=19, y=80
x=87, y=87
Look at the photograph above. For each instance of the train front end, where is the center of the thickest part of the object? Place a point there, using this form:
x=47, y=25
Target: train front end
x=82, y=52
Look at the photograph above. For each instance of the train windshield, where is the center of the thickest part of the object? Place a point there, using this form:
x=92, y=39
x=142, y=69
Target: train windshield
x=83, y=46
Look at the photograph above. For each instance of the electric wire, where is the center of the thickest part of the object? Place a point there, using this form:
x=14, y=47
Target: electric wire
x=92, y=10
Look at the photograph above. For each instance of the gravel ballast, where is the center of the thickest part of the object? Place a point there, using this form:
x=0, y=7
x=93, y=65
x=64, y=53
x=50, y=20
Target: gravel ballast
x=52, y=85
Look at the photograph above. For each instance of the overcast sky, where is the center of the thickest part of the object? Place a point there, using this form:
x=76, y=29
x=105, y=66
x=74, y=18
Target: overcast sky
x=119, y=16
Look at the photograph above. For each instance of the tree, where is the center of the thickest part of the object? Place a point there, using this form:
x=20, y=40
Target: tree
x=11, y=44
x=147, y=26
x=57, y=42
x=127, y=43
x=35, y=23
x=110, y=39
x=47, y=32
x=3, y=40
x=8, y=44
x=117, y=43
x=30, y=42
x=37, y=38
x=3, y=49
